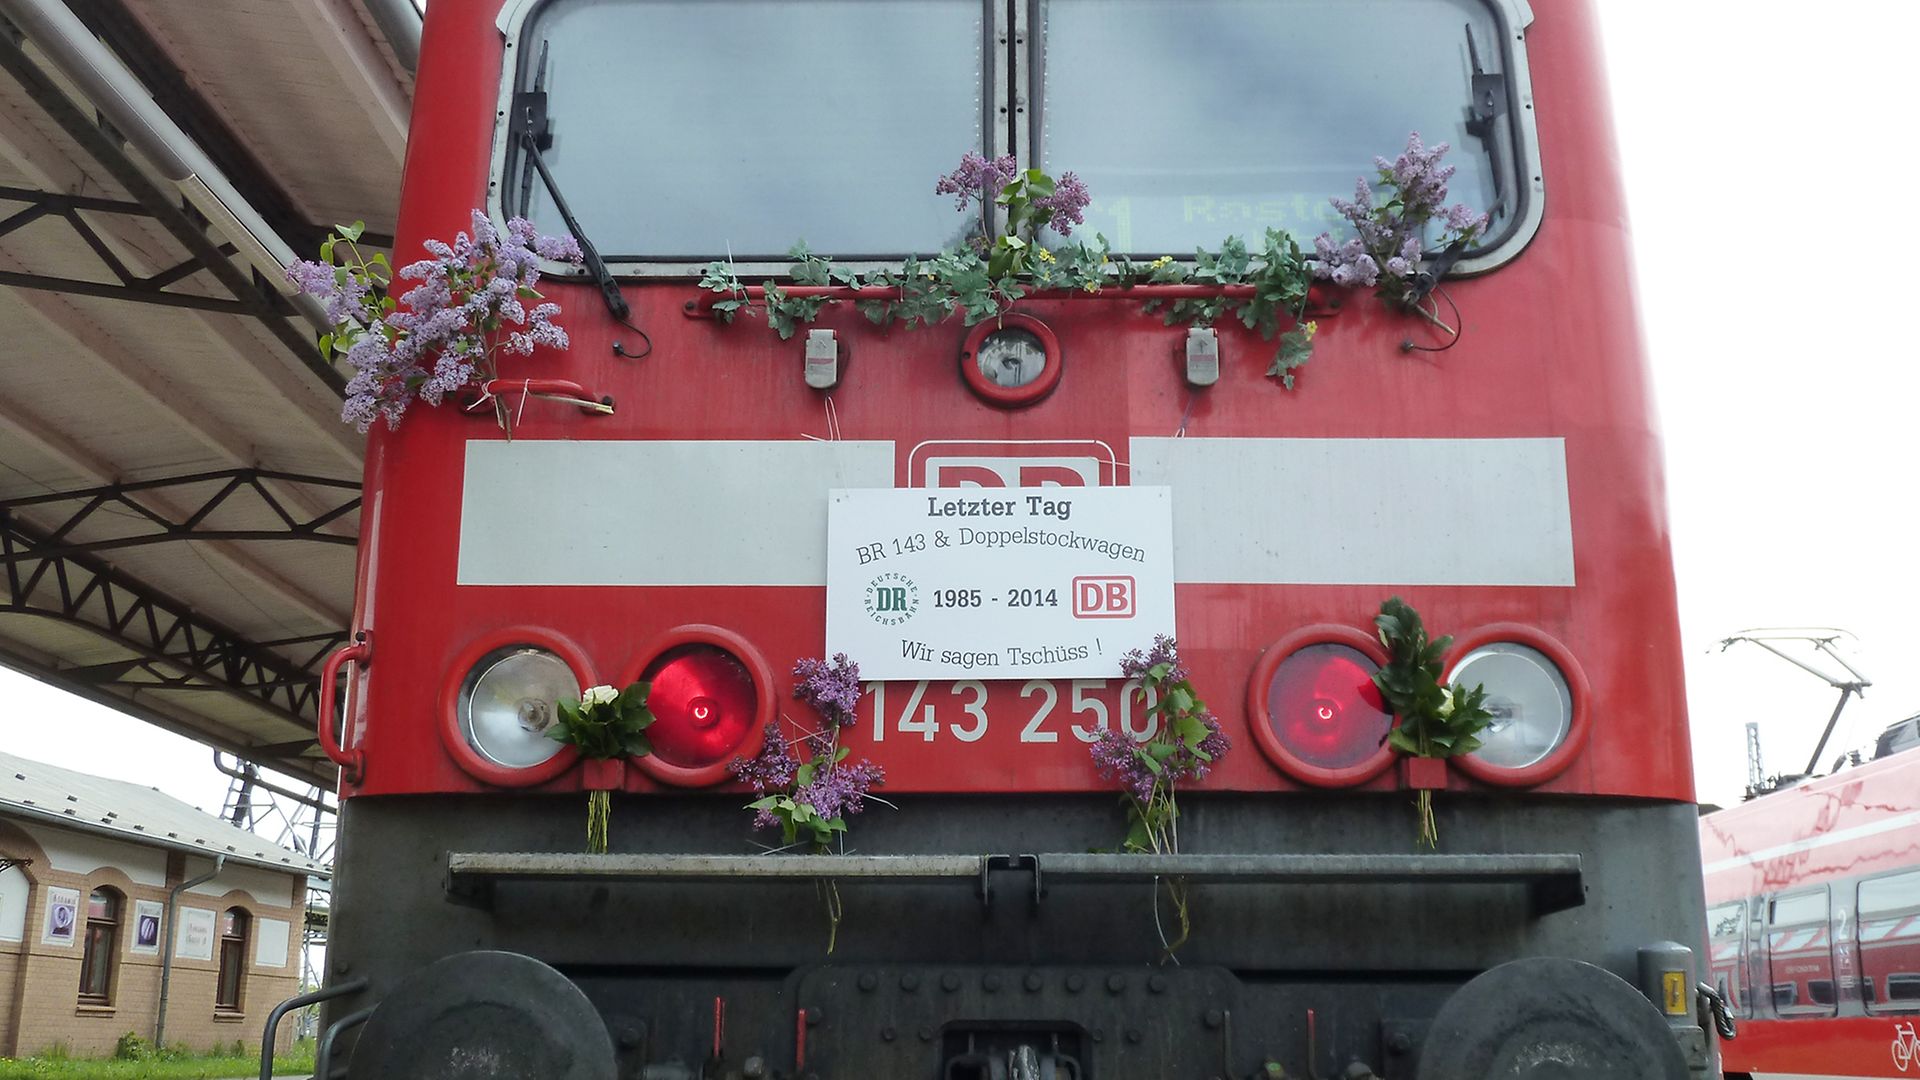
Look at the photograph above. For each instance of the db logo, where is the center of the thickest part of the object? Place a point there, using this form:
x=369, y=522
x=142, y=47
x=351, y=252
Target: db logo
x=1011, y=463
x=1103, y=598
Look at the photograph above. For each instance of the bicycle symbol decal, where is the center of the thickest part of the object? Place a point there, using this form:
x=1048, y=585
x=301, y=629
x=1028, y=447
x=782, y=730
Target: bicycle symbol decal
x=1906, y=1046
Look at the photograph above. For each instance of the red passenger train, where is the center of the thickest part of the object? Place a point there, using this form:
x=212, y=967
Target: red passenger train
x=1509, y=487
x=1814, y=910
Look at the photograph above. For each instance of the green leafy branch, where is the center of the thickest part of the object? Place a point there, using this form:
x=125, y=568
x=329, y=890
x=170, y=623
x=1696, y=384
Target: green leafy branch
x=1436, y=720
x=1186, y=743
x=1282, y=281
x=928, y=291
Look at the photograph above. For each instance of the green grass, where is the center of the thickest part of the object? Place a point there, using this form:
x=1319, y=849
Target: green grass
x=151, y=1066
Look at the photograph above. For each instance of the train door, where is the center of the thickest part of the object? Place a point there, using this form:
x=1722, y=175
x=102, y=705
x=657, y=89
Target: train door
x=1727, y=946
x=1800, y=954
x=1889, y=941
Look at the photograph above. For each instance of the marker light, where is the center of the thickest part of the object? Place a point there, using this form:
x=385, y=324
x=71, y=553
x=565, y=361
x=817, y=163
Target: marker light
x=1011, y=357
x=703, y=703
x=507, y=702
x=1324, y=708
x=1011, y=361
x=1528, y=696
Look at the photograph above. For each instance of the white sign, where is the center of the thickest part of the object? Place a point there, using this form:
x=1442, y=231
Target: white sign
x=195, y=938
x=1011, y=583
x=146, y=927
x=63, y=911
x=270, y=948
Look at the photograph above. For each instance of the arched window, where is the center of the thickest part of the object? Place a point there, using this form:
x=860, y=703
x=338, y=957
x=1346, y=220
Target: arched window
x=233, y=960
x=102, y=943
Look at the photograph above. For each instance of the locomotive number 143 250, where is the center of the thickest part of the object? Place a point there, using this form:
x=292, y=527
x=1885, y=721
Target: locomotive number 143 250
x=1045, y=710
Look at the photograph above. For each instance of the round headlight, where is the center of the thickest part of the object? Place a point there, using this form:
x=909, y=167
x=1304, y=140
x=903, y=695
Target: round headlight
x=507, y=703
x=1528, y=697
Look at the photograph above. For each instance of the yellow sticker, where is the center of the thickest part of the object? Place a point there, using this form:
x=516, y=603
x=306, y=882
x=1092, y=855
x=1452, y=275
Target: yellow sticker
x=1674, y=983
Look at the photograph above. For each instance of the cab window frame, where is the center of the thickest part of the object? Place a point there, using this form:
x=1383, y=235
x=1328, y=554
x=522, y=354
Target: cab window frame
x=1012, y=115
x=512, y=23
x=1511, y=17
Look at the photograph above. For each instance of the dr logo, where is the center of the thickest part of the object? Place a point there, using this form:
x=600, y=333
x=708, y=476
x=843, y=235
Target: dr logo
x=892, y=599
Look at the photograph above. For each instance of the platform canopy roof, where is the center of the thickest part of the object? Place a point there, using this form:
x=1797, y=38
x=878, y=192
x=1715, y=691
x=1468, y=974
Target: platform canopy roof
x=178, y=497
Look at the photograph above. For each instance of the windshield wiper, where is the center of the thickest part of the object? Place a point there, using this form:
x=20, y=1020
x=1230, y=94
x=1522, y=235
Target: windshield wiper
x=532, y=129
x=1486, y=116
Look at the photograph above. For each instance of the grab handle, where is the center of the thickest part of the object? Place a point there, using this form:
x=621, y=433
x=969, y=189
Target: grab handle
x=351, y=762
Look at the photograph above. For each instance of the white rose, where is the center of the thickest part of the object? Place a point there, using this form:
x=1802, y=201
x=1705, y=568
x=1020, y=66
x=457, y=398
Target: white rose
x=599, y=695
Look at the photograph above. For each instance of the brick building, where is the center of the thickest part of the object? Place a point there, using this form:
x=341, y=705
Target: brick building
x=98, y=875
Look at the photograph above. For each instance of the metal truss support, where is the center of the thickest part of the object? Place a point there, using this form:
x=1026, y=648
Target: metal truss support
x=304, y=822
x=231, y=490
x=170, y=647
x=80, y=125
x=148, y=289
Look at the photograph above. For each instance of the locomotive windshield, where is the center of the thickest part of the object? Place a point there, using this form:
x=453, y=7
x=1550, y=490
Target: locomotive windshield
x=684, y=130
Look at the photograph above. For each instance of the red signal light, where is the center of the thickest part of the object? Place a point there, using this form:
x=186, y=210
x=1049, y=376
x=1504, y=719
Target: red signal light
x=1324, y=707
x=704, y=705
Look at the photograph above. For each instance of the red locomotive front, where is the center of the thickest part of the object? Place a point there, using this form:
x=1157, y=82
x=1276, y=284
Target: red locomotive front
x=968, y=455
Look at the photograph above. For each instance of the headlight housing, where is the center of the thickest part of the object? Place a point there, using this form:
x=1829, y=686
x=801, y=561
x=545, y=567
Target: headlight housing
x=499, y=699
x=1537, y=694
x=507, y=704
x=1314, y=710
x=711, y=695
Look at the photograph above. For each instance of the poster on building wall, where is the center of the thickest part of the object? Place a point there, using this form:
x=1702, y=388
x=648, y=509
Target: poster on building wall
x=63, y=907
x=146, y=927
x=270, y=947
x=195, y=940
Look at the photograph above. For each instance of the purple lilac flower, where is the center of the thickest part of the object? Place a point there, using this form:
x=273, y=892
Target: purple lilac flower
x=771, y=769
x=1462, y=218
x=466, y=306
x=1418, y=174
x=1407, y=260
x=1349, y=264
x=1135, y=665
x=832, y=688
x=841, y=789
x=1390, y=243
x=1117, y=757
x=977, y=178
x=1069, y=198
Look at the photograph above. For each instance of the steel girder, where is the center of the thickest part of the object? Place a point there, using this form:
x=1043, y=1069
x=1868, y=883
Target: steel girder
x=169, y=646
x=235, y=487
x=147, y=289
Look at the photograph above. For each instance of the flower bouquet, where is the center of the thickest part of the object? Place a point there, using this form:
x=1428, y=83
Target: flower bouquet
x=1436, y=720
x=607, y=725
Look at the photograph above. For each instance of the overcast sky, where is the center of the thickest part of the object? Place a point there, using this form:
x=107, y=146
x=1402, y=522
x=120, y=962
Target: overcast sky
x=1762, y=148
x=1761, y=142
